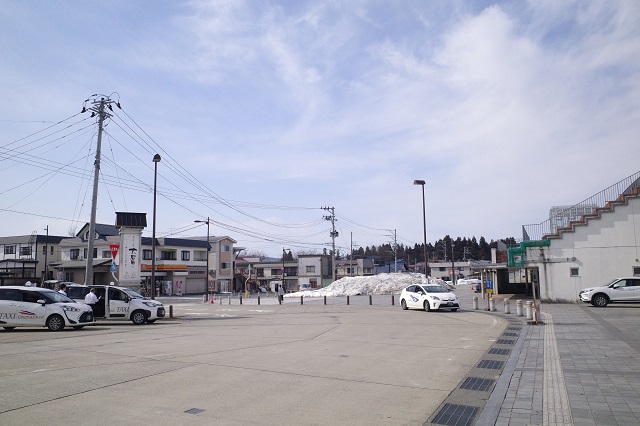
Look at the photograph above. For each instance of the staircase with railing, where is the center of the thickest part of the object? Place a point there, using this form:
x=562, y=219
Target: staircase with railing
x=566, y=219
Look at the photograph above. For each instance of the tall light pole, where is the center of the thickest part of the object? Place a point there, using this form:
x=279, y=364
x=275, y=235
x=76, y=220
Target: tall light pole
x=206, y=276
x=156, y=160
x=424, y=222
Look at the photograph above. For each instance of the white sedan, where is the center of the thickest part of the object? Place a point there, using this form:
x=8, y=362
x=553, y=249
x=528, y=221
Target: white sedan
x=428, y=297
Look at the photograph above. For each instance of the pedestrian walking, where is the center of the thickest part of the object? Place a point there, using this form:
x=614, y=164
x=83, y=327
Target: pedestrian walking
x=280, y=294
x=91, y=299
x=62, y=289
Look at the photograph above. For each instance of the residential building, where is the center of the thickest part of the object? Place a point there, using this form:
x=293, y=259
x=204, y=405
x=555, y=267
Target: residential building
x=27, y=258
x=355, y=268
x=314, y=270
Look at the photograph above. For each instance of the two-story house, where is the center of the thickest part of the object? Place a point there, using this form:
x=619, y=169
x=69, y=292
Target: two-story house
x=28, y=258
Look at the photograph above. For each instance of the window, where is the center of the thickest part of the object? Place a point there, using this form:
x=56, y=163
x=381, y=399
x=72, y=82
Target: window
x=226, y=248
x=636, y=271
x=311, y=269
x=260, y=272
x=44, y=250
x=9, y=249
x=106, y=254
x=185, y=255
x=291, y=271
x=31, y=296
x=9, y=294
x=51, y=249
x=574, y=272
x=25, y=251
x=147, y=254
x=225, y=265
x=276, y=271
x=442, y=269
x=74, y=254
x=68, y=276
x=168, y=255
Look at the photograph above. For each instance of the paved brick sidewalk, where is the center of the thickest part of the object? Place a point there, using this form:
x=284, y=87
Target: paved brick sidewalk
x=582, y=367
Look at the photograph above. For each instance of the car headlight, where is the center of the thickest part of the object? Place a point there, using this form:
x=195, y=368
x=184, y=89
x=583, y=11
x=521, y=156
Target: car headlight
x=70, y=308
x=152, y=304
x=435, y=297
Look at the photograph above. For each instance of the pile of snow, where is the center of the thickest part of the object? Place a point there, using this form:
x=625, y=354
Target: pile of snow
x=376, y=284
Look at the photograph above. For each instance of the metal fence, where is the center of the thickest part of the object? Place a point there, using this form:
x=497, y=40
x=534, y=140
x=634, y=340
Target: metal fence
x=560, y=218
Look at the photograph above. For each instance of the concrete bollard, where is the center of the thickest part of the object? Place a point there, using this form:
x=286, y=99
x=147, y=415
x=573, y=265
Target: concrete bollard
x=529, y=308
x=347, y=300
x=229, y=300
x=204, y=298
x=519, y=308
x=492, y=304
x=170, y=311
x=325, y=300
x=240, y=299
x=370, y=302
x=301, y=302
x=393, y=301
x=258, y=299
x=475, y=303
x=507, y=306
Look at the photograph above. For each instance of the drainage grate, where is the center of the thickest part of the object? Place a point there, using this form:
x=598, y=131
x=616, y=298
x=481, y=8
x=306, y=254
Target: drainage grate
x=477, y=384
x=453, y=414
x=505, y=342
x=510, y=334
x=514, y=328
x=492, y=365
x=194, y=411
x=496, y=351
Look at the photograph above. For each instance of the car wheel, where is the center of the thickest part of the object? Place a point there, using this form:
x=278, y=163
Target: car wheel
x=403, y=303
x=55, y=323
x=8, y=328
x=151, y=321
x=138, y=317
x=600, y=300
x=427, y=306
x=78, y=327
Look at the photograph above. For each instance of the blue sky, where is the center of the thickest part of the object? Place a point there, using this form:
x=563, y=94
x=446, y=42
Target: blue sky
x=278, y=108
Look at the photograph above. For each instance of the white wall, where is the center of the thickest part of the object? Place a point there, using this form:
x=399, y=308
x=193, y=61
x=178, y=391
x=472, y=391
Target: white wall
x=606, y=248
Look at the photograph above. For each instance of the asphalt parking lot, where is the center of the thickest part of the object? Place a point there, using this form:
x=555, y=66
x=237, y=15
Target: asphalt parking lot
x=246, y=364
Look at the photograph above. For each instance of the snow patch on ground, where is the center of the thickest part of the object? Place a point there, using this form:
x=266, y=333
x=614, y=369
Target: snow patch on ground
x=376, y=284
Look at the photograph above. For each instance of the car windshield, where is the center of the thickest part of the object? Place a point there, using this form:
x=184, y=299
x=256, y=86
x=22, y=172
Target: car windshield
x=133, y=294
x=55, y=297
x=435, y=289
x=610, y=283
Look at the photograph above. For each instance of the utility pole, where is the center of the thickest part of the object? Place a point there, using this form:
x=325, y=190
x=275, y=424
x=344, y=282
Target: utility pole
x=46, y=251
x=395, y=250
x=453, y=266
x=333, y=235
x=97, y=107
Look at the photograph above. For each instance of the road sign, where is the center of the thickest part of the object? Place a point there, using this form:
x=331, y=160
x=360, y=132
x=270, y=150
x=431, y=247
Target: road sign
x=489, y=285
x=114, y=250
x=114, y=267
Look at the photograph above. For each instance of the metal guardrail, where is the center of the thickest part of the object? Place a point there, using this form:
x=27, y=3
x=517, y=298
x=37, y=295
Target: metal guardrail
x=561, y=218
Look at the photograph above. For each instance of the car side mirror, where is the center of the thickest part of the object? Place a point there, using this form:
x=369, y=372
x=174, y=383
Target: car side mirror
x=41, y=302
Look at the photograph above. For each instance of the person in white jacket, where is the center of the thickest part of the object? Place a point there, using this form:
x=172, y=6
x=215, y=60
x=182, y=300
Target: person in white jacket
x=91, y=299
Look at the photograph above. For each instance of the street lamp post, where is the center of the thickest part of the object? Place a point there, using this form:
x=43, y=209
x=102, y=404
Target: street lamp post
x=206, y=277
x=424, y=222
x=156, y=160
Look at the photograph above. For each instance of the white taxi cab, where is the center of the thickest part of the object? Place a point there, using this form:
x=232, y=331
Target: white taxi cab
x=428, y=297
x=41, y=307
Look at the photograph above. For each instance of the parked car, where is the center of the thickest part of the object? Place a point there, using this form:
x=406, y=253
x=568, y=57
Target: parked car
x=41, y=307
x=122, y=303
x=620, y=290
x=428, y=297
